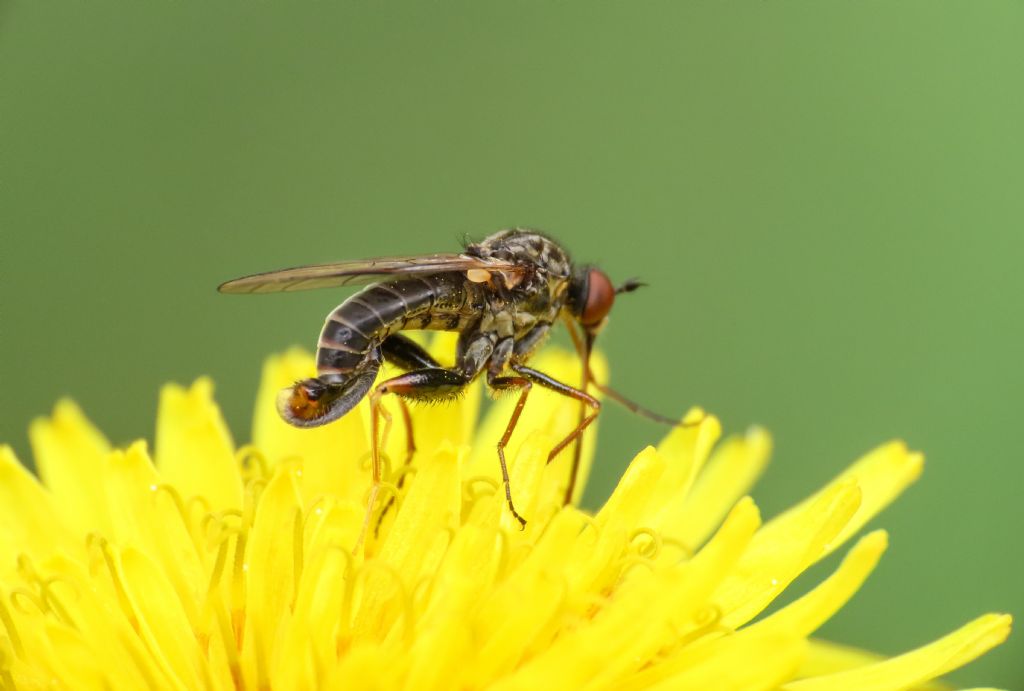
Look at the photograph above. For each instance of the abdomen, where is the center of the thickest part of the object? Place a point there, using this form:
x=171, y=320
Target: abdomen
x=352, y=331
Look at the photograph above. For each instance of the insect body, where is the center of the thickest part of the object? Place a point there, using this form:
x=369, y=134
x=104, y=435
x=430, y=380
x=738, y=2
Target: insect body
x=502, y=295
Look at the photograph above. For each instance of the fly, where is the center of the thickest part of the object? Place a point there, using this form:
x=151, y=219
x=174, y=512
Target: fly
x=502, y=295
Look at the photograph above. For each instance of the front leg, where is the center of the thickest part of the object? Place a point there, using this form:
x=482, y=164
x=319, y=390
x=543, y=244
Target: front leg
x=524, y=386
x=499, y=361
x=576, y=394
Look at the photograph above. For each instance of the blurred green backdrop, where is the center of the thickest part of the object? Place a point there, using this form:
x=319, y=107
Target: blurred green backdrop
x=826, y=198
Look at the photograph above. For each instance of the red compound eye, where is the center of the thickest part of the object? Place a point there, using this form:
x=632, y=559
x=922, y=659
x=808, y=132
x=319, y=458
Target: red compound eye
x=600, y=296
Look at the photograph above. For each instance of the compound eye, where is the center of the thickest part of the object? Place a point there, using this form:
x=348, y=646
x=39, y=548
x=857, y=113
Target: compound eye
x=600, y=296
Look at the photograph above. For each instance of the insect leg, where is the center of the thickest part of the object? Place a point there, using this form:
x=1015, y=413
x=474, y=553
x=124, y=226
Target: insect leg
x=525, y=346
x=407, y=354
x=524, y=385
x=632, y=406
x=410, y=451
x=595, y=405
x=421, y=384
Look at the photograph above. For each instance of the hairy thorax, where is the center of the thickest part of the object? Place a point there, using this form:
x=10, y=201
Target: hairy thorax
x=517, y=304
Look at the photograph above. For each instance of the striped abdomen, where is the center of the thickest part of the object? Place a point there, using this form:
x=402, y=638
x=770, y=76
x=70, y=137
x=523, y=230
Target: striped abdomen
x=352, y=331
x=348, y=354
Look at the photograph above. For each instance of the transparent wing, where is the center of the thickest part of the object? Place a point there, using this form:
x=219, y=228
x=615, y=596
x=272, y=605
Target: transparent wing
x=362, y=272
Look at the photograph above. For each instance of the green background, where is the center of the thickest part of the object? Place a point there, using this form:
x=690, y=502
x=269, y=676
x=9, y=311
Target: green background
x=827, y=199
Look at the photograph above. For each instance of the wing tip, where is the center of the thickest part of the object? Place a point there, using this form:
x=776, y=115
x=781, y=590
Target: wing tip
x=231, y=287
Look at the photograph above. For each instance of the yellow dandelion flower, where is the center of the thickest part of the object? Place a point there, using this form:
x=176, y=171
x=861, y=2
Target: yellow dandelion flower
x=207, y=566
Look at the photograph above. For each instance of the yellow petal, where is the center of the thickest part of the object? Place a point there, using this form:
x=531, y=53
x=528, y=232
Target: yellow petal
x=271, y=566
x=731, y=471
x=149, y=517
x=595, y=565
x=802, y=535
x=253, y=581
x=437, y=659
x=523, y=607
x=194, y=450
x=468, y=571
x=812, y=610
x=335, y=457
x=882, y=475
x=694, y=613
x=633, y=495
x=102, y=625
x=686, y=449
x=610, y=646
x=510, y=618
x=740, y=662
x=76, y=664
x=131, y=481
x=536, y=491
x=161, y=620
x=920, y=665
x=514, y=616
x=534, y=494
x=589, y=643
x=413, y=546
x=826, y=657
x=367, y=667
x=309, y=641
x=781, y=551
x=29, y=521
x=729, y=543
x=69, y=454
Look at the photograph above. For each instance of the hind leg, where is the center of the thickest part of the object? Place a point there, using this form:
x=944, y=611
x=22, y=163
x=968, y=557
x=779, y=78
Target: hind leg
x=428, y=381
x=406, y=354
x=426, y=384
